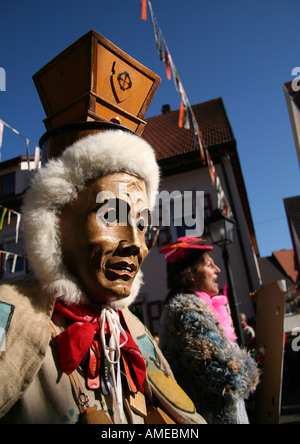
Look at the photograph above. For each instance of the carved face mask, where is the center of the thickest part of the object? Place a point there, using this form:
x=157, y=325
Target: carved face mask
x=103, y=235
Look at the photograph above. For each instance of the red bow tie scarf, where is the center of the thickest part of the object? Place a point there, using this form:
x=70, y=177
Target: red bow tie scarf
x=101, y=335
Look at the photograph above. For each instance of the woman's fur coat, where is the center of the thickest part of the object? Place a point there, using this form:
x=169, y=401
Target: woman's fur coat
x=213, y=371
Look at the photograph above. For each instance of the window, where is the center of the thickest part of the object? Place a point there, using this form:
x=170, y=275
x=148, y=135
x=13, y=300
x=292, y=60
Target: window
x=7, y=184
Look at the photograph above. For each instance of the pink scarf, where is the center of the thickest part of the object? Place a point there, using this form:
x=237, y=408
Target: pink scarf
x=218, y=306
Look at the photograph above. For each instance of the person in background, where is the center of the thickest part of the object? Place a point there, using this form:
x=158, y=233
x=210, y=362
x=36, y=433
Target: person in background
x=248, y=332
x=198, y=339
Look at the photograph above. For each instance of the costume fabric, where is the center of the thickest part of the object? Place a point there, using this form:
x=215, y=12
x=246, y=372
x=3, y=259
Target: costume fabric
x=77, y=339
x=33, y=388
x=218, y=305
x=210, y=368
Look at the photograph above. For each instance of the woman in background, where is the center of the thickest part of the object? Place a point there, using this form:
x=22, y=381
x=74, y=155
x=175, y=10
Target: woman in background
x=198, y=339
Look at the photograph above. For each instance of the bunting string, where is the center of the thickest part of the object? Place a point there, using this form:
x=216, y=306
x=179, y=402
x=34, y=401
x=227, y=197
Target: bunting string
x=187, y=119
x=37, y=154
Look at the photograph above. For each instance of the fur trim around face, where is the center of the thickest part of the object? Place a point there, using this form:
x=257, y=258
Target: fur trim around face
x=59, y=182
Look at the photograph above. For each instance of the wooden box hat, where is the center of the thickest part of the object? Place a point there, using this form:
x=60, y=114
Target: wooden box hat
x=93, y=85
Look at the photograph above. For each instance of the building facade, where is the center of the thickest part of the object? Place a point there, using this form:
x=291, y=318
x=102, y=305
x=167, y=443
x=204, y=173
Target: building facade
x=181, y=172
x=15, y=176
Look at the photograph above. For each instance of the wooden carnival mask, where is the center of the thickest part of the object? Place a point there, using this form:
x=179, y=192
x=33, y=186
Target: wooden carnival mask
x=103, y=235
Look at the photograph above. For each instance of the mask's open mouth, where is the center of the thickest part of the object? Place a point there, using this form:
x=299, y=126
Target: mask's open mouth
x=122, y=269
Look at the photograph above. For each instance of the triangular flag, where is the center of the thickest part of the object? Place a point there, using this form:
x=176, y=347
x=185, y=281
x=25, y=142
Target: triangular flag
x=37, y=158
x=212, y=170
x=174, y=72
x=153, y=22
x=202, y=151
x=4, y=210
x=160, y=47
x=168, y=68
x=18, y=227
x=223, y=203
x=9, y=217
x=14, y=263
x=186, y=120
x=181, y=114
x=27, y=153
x=144, y=9
x=5, y=260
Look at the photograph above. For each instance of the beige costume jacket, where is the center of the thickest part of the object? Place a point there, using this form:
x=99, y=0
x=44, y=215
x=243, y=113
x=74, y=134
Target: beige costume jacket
x=34, y=390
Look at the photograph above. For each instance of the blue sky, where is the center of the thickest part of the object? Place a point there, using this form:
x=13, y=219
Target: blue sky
x=242, y=51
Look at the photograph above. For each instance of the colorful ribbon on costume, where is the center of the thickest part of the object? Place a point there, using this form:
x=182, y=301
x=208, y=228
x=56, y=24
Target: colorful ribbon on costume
x=91, y=327
x=112, y=351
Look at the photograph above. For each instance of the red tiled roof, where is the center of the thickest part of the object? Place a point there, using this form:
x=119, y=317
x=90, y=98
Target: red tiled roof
x=286, y=259
x=168, y=140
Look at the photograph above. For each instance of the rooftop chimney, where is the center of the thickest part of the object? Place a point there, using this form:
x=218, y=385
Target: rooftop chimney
x=166, y=109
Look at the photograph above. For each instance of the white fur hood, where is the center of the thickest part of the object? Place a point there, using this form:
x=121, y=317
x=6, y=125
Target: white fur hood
x=59, y=182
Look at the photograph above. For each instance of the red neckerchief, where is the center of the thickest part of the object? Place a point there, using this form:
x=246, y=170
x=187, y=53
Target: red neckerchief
x=81, y=336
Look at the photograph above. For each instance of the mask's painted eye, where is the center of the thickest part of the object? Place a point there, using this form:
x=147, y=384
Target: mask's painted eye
x=113, y=211
x=144, y=220
x=141, y=225
x=110, y=216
